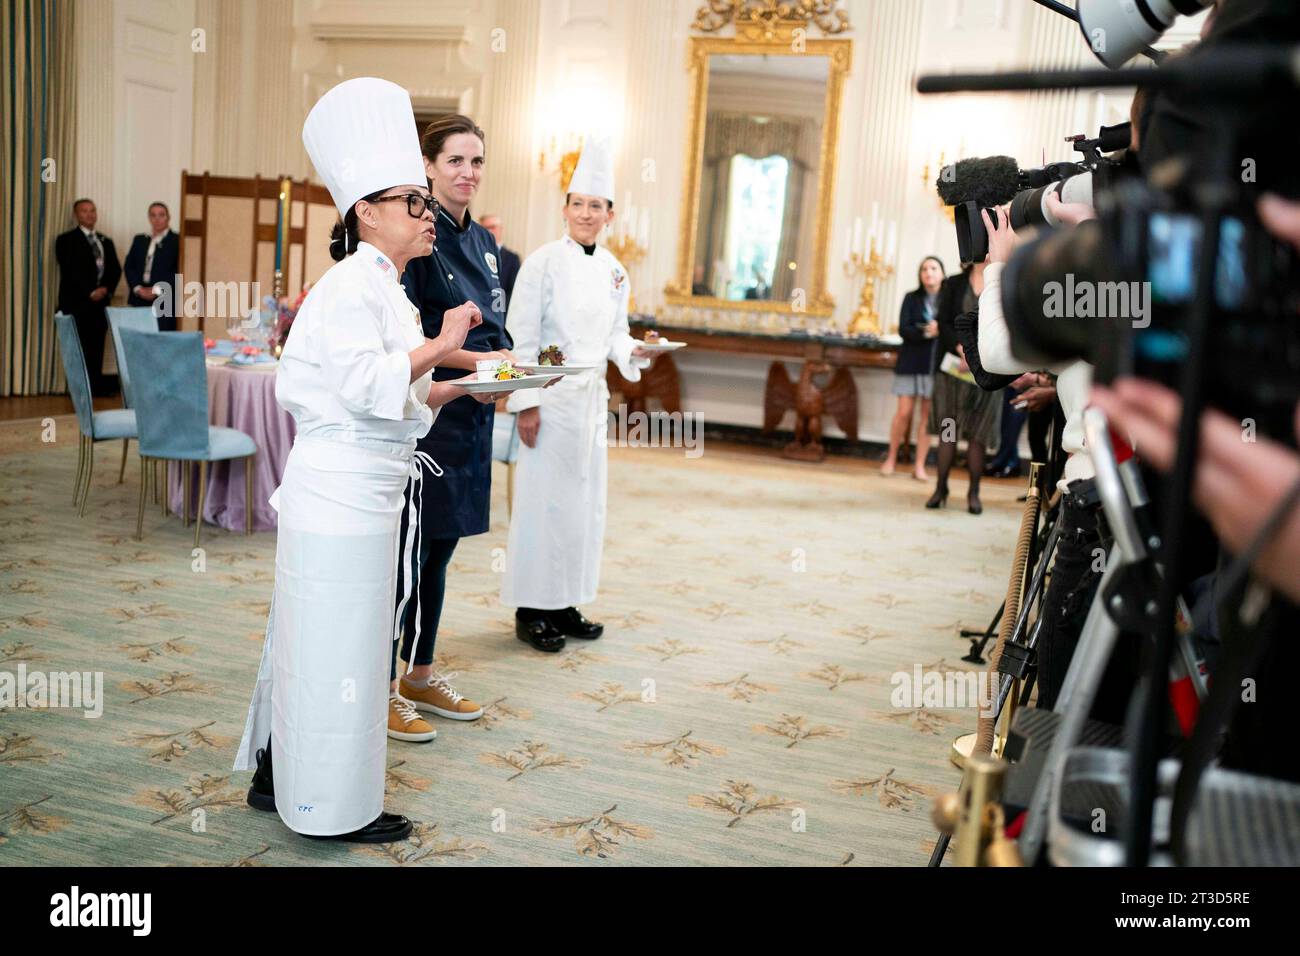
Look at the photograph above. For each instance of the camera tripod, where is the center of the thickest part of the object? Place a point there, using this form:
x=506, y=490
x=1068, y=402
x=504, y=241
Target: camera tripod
x=1117, y=490
x=1043, y=542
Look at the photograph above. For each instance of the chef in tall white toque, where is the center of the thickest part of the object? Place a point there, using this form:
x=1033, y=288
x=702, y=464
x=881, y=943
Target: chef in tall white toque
x=356, y=376
x=571, y=293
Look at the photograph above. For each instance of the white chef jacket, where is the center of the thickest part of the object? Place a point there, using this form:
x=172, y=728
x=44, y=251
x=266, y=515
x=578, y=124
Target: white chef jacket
x=345, y=370
x=578, y=302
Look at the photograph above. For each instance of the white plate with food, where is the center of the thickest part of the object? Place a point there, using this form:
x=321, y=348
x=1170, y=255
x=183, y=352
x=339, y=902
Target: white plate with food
x=661, y=345
x=503, y=385
x=551, y=359
x=556, y=369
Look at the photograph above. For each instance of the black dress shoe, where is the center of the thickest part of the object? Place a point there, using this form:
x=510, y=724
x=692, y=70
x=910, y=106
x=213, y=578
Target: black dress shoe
x=540, y=633
x=973, y=504
x=385, y=828
x=571, y=623
x=261, y=795
x=938, y=499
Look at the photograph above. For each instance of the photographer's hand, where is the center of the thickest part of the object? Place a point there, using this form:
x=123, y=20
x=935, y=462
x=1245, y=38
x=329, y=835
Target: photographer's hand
x=1002, y=238
x=1037, y=398
x=1281, y=217
x=1028, y=380
x=1237, y=483
x=1070, y=213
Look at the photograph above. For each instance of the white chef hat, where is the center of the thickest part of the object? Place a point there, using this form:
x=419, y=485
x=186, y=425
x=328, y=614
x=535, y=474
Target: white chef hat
x=361, y=138
x=594, y=175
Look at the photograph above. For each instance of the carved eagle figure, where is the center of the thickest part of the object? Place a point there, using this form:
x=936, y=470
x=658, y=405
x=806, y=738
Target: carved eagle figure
x=810, y=402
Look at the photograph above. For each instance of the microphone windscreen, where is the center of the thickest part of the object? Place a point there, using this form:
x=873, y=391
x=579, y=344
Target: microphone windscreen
x=988, y=181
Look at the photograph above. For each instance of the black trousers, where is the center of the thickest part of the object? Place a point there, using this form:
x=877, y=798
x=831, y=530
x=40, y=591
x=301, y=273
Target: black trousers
x=431, y=558
x=92, y=327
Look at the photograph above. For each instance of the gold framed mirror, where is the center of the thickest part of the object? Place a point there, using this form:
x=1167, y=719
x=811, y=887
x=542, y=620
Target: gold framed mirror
x=763, y=121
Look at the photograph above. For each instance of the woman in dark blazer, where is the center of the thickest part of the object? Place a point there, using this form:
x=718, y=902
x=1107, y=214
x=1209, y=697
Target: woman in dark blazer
x=913, y=375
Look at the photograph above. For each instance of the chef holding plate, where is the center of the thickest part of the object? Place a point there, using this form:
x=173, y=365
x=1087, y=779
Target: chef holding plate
x=571, y=294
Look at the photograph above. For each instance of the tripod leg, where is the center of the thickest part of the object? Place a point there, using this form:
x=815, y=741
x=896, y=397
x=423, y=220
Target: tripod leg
x=1087, y=667
x=940, y=848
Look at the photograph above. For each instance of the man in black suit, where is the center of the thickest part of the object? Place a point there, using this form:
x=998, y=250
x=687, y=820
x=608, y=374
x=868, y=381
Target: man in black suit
x=152, y=260
x=89, y=271
x=509, y=265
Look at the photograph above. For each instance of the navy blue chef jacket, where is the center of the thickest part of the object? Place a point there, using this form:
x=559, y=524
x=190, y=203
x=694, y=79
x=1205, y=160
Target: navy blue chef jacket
x=463, y=265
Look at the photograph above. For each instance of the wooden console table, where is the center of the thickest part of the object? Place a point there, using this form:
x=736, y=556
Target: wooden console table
x=810, y=396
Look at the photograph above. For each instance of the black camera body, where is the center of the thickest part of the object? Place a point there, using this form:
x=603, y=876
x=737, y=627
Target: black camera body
x=972, y=186
x=1117, y=292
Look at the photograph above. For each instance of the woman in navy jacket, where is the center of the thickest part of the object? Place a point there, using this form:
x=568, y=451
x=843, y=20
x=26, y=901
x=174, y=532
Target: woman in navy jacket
x=464, y=265
x=914, y=373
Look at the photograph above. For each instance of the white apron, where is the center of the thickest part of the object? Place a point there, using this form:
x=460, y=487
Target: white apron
x=326, y=658
x=557, y=521
x=323, y=684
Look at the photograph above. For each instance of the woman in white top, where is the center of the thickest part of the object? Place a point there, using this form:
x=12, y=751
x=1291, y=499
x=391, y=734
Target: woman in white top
x=355, y=374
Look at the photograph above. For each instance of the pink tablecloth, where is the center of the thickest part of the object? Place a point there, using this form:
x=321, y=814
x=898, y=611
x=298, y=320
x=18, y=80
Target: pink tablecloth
x=242, y=398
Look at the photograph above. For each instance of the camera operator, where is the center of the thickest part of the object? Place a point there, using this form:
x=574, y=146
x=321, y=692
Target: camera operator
x=1077, y=570
x=1238, y=482
x=1237, y=485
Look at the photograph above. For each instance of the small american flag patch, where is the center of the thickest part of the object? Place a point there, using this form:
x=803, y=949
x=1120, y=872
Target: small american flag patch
x=381, y=262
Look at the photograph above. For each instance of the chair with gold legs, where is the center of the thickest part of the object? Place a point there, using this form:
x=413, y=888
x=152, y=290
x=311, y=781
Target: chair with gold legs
x=93, y=426
x=142, y=319
x=171, y=396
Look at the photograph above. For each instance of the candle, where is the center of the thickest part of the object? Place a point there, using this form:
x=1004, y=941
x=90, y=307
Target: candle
x=645, y=229
x=856, y=247
x=279, y=209
x=891, y=242
x=875, y=217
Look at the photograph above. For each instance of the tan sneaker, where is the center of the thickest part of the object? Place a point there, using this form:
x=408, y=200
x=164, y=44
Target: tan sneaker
x=441, y=698
x=405, y=724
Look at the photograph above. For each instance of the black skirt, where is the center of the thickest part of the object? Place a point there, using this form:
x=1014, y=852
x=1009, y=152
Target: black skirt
x=977, y=413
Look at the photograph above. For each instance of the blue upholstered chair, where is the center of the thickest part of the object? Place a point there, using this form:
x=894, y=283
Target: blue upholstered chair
x=93, y=426
x=170, y=392
x=143, y=320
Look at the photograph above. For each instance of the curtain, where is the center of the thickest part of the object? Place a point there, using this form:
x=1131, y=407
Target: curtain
x=37, y=166
x=787, y=249
x=727, y=134
x=711, y=234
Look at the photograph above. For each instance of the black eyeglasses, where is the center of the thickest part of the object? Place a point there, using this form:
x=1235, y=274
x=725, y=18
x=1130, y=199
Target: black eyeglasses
x=415, y=204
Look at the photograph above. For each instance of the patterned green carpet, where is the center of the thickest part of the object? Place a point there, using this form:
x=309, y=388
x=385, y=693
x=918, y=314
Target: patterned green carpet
x=737, y=710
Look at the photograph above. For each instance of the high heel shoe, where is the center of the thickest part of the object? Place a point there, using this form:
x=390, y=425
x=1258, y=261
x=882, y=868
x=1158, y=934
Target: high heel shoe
x=938, y=499
x=973, y=504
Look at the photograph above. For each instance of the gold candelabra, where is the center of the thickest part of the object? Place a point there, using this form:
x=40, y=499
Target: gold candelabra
x=872, y=267
x=628, y=251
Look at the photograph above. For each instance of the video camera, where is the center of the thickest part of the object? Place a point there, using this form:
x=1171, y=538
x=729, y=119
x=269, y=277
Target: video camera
x=1120, y=291
x=971, y=186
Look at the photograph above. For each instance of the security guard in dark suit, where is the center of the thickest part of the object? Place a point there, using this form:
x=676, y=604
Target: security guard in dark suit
x=89, y=271
x=151, y=261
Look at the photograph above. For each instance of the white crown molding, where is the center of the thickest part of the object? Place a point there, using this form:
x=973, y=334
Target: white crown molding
x=390, y=32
